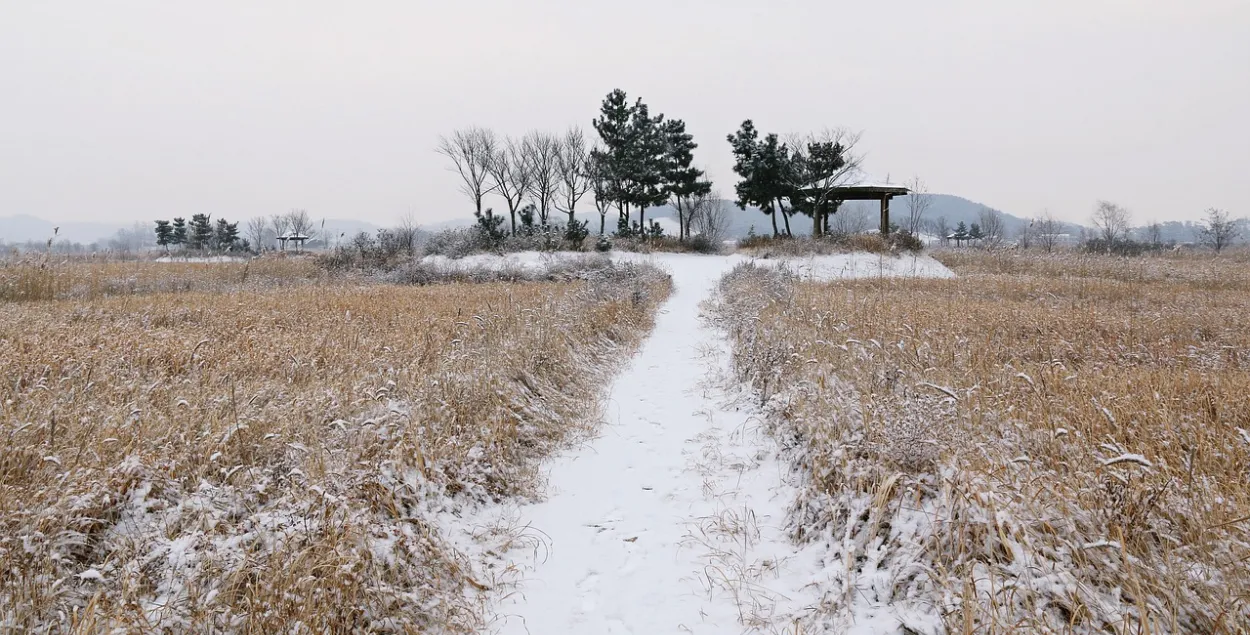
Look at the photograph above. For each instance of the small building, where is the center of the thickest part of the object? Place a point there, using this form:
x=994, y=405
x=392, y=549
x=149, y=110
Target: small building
x=296, y=238
x=859, y=188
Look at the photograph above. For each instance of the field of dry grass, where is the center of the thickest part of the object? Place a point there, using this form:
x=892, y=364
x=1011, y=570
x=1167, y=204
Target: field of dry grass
x=261, y=455
x=1044, y=444
x=52, y=278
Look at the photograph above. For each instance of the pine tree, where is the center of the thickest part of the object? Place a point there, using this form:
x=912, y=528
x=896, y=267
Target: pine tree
x=762, y=167
x=611, y=157
x=164, y=234
x=646, y=164
x=201, y=231
x=489, y=225
x=226, y=234
x=527, y=220
x=814, y=172
x=683, y=182
x=975, y=232
x=179, y=232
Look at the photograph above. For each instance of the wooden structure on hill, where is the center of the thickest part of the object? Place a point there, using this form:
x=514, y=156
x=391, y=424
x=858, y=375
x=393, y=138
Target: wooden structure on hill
x=295, y=237
x=864, y=192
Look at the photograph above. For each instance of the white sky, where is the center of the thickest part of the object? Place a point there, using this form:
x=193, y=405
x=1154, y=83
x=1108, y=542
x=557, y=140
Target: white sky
x=125, y=110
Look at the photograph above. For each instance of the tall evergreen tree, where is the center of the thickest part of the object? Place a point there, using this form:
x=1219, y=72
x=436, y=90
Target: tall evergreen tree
x=201, y=230
x=225, y=235
x=647, y=161
x=611, y=156
x=179, y=232
x=816, y=170
x=164, y=234
x=683, y=182
x=762, y=167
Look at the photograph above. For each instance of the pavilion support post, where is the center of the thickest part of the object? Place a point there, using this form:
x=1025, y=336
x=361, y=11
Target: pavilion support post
x=885, y=215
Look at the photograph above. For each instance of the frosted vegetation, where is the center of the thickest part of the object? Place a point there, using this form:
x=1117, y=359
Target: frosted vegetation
x=230, y=455
x=1053, y=444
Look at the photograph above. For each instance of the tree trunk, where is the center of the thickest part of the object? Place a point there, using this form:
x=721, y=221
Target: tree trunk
x=816, y=224
x=603, y=218
x=681, y=224
x=642, y=218
x=785, y=217
x=774, y=217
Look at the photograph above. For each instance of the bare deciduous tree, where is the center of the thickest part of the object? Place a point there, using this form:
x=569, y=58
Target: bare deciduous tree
x=941, y=228
x=471, y=152
x=918, y=204
x=602, y=186
x=406, y=233
x=1218, y=231
x=991, y=221
x=573, y=165
x=511, y=175
x=817, y=175
x=1154, y=234
x=1111, y=222
x=279, y=223
x=712, y=216
x=1024, y=238
x=257, y=229
x=1046, y=232
x=299, y=222
x=850, y=219
x=542, y=151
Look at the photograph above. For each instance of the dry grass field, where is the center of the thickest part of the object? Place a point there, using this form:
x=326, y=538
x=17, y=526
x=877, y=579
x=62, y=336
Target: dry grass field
x=1044, y=444
x=256, y=448
x=49, y=278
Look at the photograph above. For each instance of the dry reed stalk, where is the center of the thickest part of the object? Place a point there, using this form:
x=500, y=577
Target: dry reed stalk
x=1058, y=445
x=279, y=458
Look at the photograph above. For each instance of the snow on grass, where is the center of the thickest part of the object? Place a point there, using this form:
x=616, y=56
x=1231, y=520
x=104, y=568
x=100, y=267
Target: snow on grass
x=821, y=267
x=202, y=259
x=677, y=518
x=263, y=461
x=1048, y=449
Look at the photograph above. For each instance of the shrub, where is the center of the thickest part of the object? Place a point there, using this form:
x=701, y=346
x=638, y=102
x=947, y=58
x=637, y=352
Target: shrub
x=456, y=243
x=872, y=243
x=576, y=232
x=603, y=244
x=703, y=245
x=905, y=241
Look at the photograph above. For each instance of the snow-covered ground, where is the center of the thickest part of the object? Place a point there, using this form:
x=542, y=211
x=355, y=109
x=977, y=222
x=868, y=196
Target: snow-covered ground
x=831, y=267
x=201, y=259
x=673, y=520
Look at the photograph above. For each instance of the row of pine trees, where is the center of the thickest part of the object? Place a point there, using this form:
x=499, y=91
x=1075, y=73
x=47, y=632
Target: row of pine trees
x=201, y=234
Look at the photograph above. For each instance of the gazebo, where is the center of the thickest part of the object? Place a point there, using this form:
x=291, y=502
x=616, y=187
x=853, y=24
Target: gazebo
x=295, y=237
x=860, y=189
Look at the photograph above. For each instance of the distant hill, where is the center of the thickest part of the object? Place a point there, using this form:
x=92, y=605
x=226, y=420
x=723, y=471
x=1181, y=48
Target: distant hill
x=24, y=228
x=863, y=215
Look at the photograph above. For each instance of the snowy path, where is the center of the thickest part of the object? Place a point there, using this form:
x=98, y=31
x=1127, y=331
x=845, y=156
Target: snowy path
x=672, y=519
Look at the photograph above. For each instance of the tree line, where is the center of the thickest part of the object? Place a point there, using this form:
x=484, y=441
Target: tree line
x=201, y=233
x=638, y=161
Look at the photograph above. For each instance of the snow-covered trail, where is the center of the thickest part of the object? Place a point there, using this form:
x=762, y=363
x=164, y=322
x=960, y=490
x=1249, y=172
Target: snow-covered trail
x=671, y=521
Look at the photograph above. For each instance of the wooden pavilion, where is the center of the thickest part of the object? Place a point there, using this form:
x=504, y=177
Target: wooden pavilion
x=295, y=237
x=863, y=192
x=871, y=192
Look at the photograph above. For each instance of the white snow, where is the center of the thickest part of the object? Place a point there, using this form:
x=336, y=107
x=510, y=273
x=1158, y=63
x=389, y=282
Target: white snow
x=200, y=259
x=673, y=521
x=1128, y=458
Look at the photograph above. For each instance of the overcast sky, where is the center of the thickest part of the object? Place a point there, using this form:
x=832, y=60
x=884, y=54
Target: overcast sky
x=125, y=110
